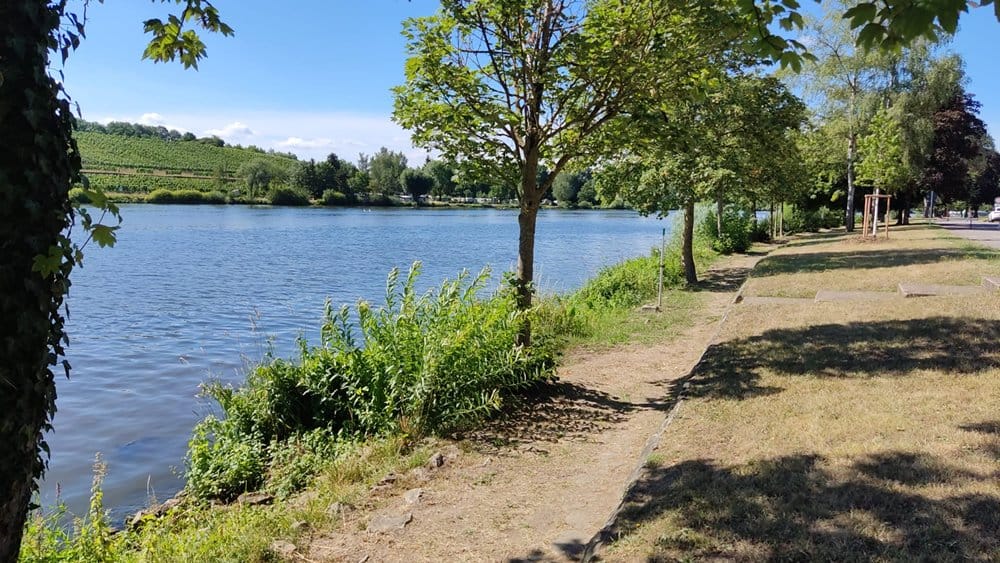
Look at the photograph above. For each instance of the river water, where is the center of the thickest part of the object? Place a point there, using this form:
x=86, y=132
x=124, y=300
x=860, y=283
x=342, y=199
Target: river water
x=193, y=293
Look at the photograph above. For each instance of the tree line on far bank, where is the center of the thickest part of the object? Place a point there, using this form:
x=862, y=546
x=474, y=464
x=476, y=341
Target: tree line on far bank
x=387, y=174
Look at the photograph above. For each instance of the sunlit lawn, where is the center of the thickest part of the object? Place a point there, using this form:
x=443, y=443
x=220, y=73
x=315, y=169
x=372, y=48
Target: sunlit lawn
x=855, y=430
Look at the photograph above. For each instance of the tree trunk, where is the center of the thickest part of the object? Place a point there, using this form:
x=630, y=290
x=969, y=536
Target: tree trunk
x=38, y=161
x=526, y=220
x=687, y=248
x=531, y=197
x=852, y=144
x=719, y=205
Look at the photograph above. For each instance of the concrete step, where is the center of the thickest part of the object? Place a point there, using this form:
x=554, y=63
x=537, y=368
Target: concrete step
x=991, y=284
x=827, y=295
x=931, y=290
x=776, y=301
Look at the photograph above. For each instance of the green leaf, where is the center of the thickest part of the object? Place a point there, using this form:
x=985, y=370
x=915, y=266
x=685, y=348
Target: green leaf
x=861, y=14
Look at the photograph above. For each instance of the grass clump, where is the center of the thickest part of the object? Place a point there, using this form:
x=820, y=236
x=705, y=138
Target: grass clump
x=185, y=196
x=420, y=364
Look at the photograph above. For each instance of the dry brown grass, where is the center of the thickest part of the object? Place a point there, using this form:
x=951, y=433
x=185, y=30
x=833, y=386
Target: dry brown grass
x=837, y=431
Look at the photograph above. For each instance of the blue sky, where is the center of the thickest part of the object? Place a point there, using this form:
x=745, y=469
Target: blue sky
x=313, y=76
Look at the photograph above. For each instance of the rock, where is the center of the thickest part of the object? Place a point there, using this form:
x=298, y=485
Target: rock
x=419, y=474
x=338, y=509
x=283, y=548
x=299, y=525
x=255, y=499
x=437, y=460
x=151, y=513
x=383, y=524
x=413, y=495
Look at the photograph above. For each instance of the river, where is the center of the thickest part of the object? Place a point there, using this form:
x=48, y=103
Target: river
x=193, y=293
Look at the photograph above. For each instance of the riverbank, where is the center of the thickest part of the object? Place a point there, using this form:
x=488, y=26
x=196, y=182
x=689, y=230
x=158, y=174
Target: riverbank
x=595, y=310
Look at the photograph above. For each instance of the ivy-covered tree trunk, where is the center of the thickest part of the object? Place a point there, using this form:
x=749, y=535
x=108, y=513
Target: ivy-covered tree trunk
x=38, y=162
x=687, y=246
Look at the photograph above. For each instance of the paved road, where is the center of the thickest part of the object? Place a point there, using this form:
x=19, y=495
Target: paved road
x=978, y=230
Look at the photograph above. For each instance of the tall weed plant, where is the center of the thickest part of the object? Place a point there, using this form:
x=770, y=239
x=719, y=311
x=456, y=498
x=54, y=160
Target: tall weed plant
x=421, y=363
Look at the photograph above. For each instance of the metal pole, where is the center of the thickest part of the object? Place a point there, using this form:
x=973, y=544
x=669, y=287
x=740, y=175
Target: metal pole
x=663, y=249
x=875, y=216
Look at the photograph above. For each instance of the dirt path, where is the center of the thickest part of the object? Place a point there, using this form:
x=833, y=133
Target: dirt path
x=539, y=487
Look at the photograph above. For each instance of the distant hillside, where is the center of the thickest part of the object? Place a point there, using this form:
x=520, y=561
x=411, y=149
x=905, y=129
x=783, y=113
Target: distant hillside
x=141, y=164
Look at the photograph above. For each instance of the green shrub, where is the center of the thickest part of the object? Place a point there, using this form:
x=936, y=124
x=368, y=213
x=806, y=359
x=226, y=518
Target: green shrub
x=762, y=231
x=185, y=196
x=286, y=195
x=419, y=364
x=737, y=231
x=333, y=197
x=623, y=285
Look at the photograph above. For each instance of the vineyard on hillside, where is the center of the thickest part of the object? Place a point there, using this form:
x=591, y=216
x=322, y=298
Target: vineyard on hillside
x=132, y=164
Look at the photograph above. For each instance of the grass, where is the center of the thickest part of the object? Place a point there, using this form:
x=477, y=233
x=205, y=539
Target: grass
x=836, y=431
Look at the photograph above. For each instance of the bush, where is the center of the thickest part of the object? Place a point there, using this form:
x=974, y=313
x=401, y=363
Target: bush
x=797, y=220
x=419, y=364
x=185, y=196
x=286, y=195
x=78, y=195
x=737, y=231
x=333, y=197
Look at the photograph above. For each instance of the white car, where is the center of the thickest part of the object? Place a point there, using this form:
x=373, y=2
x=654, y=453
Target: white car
x=994, y=215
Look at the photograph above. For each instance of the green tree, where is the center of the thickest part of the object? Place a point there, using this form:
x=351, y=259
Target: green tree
x=306, y=179
x=506, y=87
x=385, y=168
x=416, y=183
x=729, y=139
x=259, y=175
x=566, y=187
x=882, y=154
x=443, y=175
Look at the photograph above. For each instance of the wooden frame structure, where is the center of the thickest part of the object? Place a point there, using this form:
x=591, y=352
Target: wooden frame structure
x=869, y=224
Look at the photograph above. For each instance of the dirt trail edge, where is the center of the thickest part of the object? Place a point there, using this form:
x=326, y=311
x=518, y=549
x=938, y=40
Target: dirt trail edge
x=542, y=486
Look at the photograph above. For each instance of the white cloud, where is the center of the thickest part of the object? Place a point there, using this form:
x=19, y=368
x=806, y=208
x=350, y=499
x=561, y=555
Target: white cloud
x=236, y=129
x=306, y=144
x=152, y=119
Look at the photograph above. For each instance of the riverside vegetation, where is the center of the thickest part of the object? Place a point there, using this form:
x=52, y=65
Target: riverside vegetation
x=368, y=399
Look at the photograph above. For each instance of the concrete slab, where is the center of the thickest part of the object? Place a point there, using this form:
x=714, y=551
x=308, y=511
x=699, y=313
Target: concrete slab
x=827, y=295
x=931, y=290
x=991, y=284
x=776, y=301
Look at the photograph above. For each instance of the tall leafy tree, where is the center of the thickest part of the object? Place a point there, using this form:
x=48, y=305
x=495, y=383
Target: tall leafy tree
x=730, y=138
x=416, y=183
x=958, y=134
x=384, y=171
x=846, y=82
x=882, y=163
x=507, y=87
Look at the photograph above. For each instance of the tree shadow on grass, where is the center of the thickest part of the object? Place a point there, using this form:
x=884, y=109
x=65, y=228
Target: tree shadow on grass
x=732, y=369
x=552, y=412
x=864, y=259
x=722, y=280
x=796, y=508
